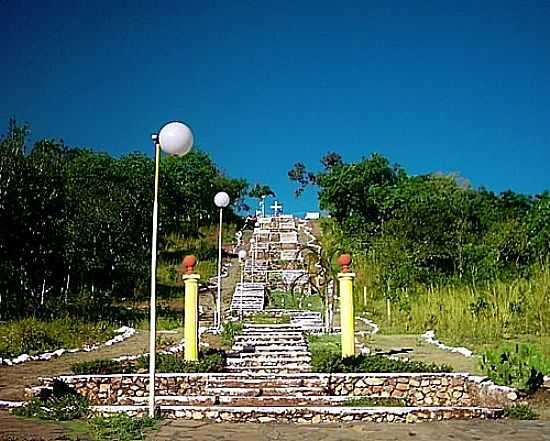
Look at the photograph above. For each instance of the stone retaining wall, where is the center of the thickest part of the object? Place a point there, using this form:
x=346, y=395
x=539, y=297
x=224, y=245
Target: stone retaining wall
x=448, y=389
x=313, y=415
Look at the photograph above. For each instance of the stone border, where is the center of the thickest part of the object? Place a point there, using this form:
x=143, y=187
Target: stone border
x=124, y=332
x=429, y=336
x=310, y=414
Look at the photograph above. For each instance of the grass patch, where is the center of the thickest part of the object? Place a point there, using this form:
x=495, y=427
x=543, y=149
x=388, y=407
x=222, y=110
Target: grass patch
x=264, y=318
x=230, y=330
x=374, y=402
x=102, y=366
x=324, y=343
x=288, y=300
x=32, y=336
x=121, y=427
x=326, y=357
x=210, y=360
x=479, y=317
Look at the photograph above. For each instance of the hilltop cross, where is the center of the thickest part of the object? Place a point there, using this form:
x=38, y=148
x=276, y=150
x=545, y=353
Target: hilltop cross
x=276, y=207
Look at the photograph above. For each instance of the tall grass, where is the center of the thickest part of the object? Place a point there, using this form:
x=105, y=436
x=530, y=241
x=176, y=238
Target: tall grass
x=32, y=336
x=480, y=316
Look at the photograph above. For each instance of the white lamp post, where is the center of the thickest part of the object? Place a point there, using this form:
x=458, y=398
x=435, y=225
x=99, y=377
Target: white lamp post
x=174, y=138
x=253, y=251
x=242, y=258
x=221, y=200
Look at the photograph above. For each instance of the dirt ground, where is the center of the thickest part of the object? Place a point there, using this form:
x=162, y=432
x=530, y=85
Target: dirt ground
x=19, y=429
x=180, y=430
x=14, y=379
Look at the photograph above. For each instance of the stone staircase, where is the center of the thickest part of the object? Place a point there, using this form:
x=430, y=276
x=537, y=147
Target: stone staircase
x=248, y=297
x=270, y=349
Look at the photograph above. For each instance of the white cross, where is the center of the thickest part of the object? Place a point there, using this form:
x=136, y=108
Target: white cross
x=276, y=208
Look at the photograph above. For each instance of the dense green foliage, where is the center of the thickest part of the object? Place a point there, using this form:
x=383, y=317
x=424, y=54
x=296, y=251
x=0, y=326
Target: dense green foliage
x=430, y=228
x=210, y=360
x=102, y=366
x=76, y=223
x=431, y=252
x=121, y=427
x=520, y=366
x=32, y=336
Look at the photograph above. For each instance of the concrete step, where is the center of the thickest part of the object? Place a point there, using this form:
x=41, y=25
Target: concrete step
x=263, y=381
x=273, y=354
x=237, y=400
x=269, y=370
x=294, y=391
x=270, y=348
x=275, y=362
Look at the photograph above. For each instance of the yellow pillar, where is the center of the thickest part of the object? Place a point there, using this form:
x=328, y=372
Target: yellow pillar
x=347, y=319
x=191, y=324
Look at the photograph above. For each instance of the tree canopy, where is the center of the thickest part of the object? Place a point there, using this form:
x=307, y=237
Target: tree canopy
x=75, y=221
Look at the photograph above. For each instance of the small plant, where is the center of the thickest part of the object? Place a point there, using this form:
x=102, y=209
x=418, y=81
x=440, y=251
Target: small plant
x=121, y=427
x=521, y=366
x=210, y=360
x=230, y=330
x=102, y=366
x=375, y=402
x=520, y=412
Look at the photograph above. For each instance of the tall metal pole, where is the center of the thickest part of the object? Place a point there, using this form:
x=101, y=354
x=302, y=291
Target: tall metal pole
x=218, y=315
x=242, y=288
x=153, y=301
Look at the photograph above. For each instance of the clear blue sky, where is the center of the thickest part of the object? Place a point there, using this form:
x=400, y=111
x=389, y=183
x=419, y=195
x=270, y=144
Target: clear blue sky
x=434, y=85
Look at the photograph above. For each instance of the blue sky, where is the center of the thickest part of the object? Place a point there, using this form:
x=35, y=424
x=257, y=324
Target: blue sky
x=434, y=85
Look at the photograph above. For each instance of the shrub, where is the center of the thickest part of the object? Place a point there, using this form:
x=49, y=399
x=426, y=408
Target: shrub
x=121, y=427
x=210, y=360
x=521, y=366
x=331, y=362
x=102, y=366
x=520, y=412
x=230, y=330
x=60, y=404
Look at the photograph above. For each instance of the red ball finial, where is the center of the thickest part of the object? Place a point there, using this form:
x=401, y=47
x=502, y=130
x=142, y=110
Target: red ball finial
x=188, y=264
x=344, y=261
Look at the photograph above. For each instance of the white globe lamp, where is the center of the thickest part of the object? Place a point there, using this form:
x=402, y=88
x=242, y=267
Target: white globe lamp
x=175, y=138
x=221, y=199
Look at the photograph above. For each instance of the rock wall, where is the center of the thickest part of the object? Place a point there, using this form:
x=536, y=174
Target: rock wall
x=312, y=415
x=453, y=389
